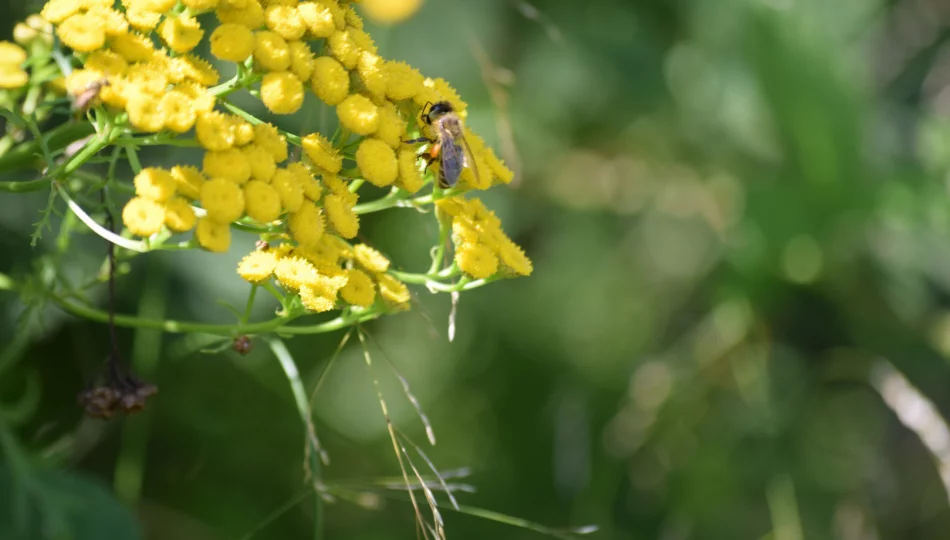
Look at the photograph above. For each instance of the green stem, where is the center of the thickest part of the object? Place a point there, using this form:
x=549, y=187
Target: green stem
x=250, y=304
x=313, y=444
x=25, y=186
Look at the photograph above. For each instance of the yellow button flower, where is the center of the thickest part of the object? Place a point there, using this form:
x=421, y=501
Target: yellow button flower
x=114, y=22
x=133, y=47
x=143, y=217
x=232, y=42
x=286, y=21
x=213, y=236
x=301, y=60
x=179, y=215
x=311, y=187
x=188, y=180
x=144, y=110
x=197, y=6
x=370, y=258
x=282, y=93
x=377, y=162
x=513, y=257
x=322, y=153
x=196, y=69
x=499, y=170
x=181, y=33
x=341, y=215
x=390, y=11
x=230, y=164
x=344, y=49
x=262, y=201
x=179, y=115
x=393, y=291
x=476, y=260
x=143, y=20
x=155, y=184
x=330, y=80
x=261, y=161
x=11, y=76
x=402, y=81
x=392, y=127
x=11, y=53
x=56, y=11
x=242, y=129
x=358, y=114
x=370, y=68
x=201, y=100
x=223, y=200
x=82, y=32
x=161, y=6
x=258, y=266
x=359, y=289
x=106, y=62
x=213, y=131
x=289, y=189
x=250, y=14
x=269, y=138
x=271, y=51
x=306, y=225
x=410, y=179
x=316, y=300
x=318, y=18
x=295, y=272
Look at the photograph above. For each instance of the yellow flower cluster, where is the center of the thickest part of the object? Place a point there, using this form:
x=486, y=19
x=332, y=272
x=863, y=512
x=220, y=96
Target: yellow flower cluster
x=12, y=74
x=482, y=249
x=328, y=274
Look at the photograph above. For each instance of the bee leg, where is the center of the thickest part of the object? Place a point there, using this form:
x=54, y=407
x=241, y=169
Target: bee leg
x=419, y=140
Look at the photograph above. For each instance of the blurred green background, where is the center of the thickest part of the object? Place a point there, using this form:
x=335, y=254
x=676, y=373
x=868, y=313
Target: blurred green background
x=737, y=327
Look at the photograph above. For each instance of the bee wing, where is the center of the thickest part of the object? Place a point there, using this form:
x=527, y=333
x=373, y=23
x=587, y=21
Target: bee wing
x=451, y=162
x=469, y=158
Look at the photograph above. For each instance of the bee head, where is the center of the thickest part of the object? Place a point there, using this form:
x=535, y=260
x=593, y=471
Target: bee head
x=437, y=110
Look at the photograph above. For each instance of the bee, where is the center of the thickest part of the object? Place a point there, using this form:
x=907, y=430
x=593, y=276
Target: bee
x=83, y=100
x=449, y=145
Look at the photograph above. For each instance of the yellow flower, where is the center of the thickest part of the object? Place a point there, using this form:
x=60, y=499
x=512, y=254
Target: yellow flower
x=344, y=49
x=294, y=272
x=282, y=93
x=267, y=136
x=390, y=11
x=330, y=80
x=11, y=53
x=113, y=22
x=155, y=184
x=306, y=225
x=359, y=289
x=197, y=6
x=499, y=171
x=361, y=39
x=392, y=127
x=402, y=81
x=311, y=187
x=106, y=62
x=410, y=179
x=443, y=91
x=232, y=42
x=257, y=266
x=179, y=215
x=514, y=258
x=133, y=47
x=161, y=6
x=223, y=200
x=479, y=180
x=290, y=191
x=251, y=14
x=301, y=60
x=476, y=260
x=318, y=18
x=213, y=236
x=370, y=68
x=261, y=161
x=148, y=78
x=143, y=217
x=377, y=162
x=145, y=112
x=143, y=20
x=201, y=100
x=286, y=21
x=229, y=164
x=315, y=300
x=242, y=129
x=11, y=76
x=213, y=131
x=322, y=153
x=188, y=180
x=358, y=114
x=181, y=33
x=262, y=201
x=196, y=69
x=370, y=259
x=82, y=32
x=179, y=115
x=271, y=51
x=393, y=291
x=341, y=215
x=56, y=11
